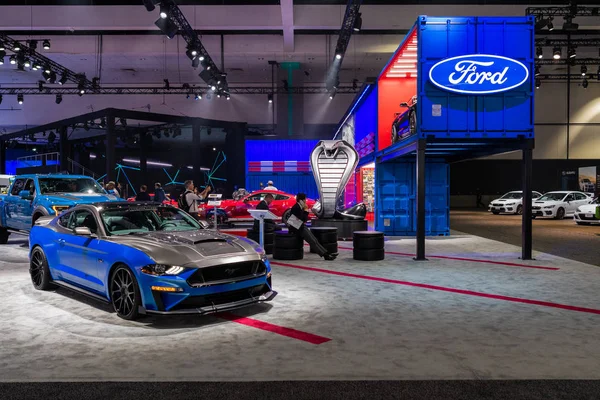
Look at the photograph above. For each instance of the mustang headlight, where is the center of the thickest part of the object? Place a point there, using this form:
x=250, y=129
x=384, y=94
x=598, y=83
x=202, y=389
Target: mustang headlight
x=58, y=209
x=548, y=207
x=162, y=269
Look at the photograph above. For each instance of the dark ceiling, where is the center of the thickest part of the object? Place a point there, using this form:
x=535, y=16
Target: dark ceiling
x=275, y=2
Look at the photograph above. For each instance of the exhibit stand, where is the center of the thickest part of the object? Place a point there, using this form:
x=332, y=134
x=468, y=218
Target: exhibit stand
x=260, y=216
x=214, y=200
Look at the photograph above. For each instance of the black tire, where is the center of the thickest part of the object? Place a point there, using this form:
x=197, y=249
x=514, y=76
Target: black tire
x=369, y=243
x=495, y=212
x=288, y=254
x=560, y=213
x=253, y=235
x=125, y=293
x=288, y=242
x=326, y=237
x=519, y=210
x=369, y=255
x=330, y=247
x=4, y=234
x=39, y=271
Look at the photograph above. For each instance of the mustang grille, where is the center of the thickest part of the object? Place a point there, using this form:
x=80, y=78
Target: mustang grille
x=227, y=273
x=216, y=299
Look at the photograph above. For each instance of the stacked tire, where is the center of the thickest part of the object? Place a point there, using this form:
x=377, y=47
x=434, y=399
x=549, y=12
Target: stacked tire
x=327, y=236
x=287, y=246
x=368, y=245
x=269, y=238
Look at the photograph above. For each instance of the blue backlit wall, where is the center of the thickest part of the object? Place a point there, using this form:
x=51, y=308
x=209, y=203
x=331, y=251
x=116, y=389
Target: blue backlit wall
x=365, y=124
x=291, y=181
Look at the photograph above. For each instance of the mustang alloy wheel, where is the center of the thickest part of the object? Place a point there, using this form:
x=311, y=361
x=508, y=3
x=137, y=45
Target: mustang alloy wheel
x=38, y=269
x=125, y=293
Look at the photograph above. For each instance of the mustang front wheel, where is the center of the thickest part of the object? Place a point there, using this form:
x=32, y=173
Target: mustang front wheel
x=38, y=269
x=125, y=293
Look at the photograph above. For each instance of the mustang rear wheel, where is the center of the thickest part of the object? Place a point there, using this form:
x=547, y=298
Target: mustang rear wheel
x=4, y=234
x=39, y=271
x=125, y=293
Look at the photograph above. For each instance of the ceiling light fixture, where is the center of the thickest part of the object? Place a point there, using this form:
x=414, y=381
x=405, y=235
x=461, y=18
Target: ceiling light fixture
x=164, y=11
x=583, y=70
x=58, y=98
x=20, y=98
x=13, y=60
x=557, y=52
x=46, y=44
x=539, y=52
x=270, y=98
x=167, y=27
x=358, y=23
x=17, y=46
x=572, y=52
x=538, y=83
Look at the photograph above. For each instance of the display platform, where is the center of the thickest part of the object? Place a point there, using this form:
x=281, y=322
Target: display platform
x=345, y=228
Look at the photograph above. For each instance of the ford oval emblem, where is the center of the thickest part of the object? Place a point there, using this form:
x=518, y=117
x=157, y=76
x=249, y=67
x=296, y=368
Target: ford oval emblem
x=478, y=74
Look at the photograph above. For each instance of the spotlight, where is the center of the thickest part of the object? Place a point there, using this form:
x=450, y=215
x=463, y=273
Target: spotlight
x=47, y=69
x=2, y=46
x=51, y=137
x=13, y=60
x=164, y=11
x=95, y=83
x=219, y=95
x=214, y=149
x=270, y=98
x=34, y=68
x=46, y=44
x=0, y=99
x=585, y=83
x=102, y=122
x=228, y=97
x=191, y=53
x=198, y=96
x=167, y=27
x=2, y=55
x=52, y=77
x=338, y=56
x=583, y=70
x=537, y=70
x=538, y=83
x=86, y=126
x=572, y=52
x=17, y=46
x=46, y=76
x=201, y=58
x=37, y=65
x=208, y=130
x=41, y=86
x=20, y=98
x=63, y=79
x=195, y=62
x=358, y=23
x=550, y=24
x=332, y=94
x=167, y=84
x=213, y=88
x=58, y=98
x=81, y=88
x=569, y=25
x=32, y=44
x=556, y=53
x=27, y=63
x=539, y=52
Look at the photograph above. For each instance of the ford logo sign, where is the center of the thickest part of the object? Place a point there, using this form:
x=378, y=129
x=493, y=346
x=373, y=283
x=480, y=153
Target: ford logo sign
x=478, y=74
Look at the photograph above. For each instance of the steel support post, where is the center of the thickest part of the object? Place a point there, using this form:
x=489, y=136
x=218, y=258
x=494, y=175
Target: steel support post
x=422, y=144
x=527, y=224
x=111, y=142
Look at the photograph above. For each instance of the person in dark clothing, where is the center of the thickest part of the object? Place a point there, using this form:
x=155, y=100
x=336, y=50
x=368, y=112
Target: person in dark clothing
x=479, y=198
x=159, y=193
x=300, y=211
x=143, y=195
x=270, y=225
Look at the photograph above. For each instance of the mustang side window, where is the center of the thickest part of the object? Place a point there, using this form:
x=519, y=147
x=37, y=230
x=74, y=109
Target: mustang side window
x=84, y=218
x=64, y=220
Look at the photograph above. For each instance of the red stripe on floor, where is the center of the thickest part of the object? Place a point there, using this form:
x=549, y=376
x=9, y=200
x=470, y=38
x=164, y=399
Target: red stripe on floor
x=280, y=330
x=444, y=289
x=468, y=260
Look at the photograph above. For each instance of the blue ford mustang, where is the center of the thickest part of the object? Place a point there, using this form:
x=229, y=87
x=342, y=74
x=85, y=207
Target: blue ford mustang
x=147, y=258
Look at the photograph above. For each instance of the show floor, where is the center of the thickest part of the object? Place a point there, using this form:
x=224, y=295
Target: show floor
x=474, y=311
x=561, y=238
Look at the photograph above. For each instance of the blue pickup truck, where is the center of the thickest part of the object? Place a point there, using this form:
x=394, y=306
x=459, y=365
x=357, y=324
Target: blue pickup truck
x=32, y=196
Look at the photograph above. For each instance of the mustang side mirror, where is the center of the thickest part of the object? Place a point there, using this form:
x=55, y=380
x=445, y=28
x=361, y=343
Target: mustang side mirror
x=404, y=104
x=83, y=231
x=25, y=195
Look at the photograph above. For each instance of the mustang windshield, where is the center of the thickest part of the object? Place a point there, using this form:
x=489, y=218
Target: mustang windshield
x=70, y=185
x=512, y=195
x=552, y=197
x=132, y=220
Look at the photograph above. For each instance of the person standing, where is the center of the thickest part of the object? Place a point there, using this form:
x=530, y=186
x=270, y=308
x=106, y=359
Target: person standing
x=143, y=194
x=270, y=225
x=300, y=212
x=270, y=186
x=191, y=196
x=159, y=193
x=112, y=189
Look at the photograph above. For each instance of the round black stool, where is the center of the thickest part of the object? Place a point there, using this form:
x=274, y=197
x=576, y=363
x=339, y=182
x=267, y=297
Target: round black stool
x=368, y=245
x=327, y=236
x=287, y=246
x=269, y=238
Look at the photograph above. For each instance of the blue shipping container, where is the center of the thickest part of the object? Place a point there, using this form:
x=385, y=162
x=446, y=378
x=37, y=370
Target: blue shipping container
x=502, y=42
x=395, y=198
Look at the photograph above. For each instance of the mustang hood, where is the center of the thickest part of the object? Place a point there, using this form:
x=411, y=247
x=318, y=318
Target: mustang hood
x=180, y=248
x=78, y=198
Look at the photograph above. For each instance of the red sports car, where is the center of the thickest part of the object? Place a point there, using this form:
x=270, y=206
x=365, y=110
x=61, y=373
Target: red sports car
x=237, y=210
